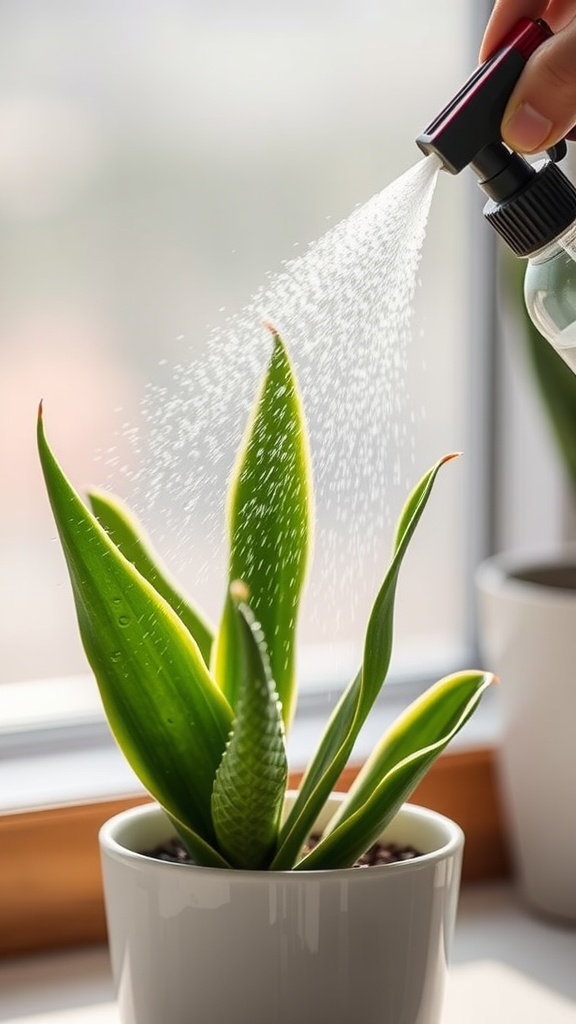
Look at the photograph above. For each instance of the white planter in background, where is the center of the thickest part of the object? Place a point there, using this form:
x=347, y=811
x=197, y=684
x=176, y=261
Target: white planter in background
x=237, y=947
x=527, y=611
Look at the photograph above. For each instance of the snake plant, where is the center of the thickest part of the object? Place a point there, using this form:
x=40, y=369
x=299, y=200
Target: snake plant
x=202, y=715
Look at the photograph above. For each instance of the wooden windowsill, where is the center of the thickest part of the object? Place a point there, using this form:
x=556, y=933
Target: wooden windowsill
x=50, y=888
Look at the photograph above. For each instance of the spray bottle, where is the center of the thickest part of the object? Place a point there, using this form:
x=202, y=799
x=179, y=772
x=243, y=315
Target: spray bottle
x=532, y=206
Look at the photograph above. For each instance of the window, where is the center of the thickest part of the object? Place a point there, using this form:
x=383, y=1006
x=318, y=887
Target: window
x=158, y=162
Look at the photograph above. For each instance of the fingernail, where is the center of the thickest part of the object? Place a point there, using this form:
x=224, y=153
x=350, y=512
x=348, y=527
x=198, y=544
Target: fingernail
x=526, y=129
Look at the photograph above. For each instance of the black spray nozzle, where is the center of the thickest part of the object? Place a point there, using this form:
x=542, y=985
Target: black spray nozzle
x=528, y=205
x=471, y=120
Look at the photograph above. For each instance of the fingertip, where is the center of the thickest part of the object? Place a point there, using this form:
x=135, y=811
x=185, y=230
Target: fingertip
x=526, y=130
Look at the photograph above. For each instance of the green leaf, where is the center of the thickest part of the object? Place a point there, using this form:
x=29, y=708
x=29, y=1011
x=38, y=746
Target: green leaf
x=226, y=657
x=251, y=781
x=269, y=517
x=130, y=538
x=351, y=711
x=167, y=714
x=396, y=766
x=201, y=851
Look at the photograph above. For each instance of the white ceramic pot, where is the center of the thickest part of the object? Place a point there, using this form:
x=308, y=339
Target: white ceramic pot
x=528, y=635
x=193, y=945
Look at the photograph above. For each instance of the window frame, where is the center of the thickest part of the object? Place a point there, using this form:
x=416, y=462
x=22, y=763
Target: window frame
x=66, y=908
x=83, y=724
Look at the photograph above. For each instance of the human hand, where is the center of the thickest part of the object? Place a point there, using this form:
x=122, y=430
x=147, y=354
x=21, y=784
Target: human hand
x=542, y=107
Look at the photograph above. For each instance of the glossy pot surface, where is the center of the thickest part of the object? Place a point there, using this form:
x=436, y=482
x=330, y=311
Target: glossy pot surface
x=193, y=945
x=527, y=607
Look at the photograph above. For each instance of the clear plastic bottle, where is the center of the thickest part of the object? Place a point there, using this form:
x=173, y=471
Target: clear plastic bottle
x=533, y=208
x=550, y=293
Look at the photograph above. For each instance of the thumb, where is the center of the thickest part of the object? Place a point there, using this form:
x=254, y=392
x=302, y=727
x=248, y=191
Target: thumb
x=542, y=108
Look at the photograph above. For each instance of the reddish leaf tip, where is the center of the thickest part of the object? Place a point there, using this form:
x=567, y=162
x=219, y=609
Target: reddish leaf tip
x=270, y=327
x=40, y=408
x=239, y=591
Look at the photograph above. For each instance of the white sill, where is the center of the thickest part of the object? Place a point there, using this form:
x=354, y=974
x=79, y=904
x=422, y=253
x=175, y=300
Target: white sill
x=508, y=968
x=80, y=761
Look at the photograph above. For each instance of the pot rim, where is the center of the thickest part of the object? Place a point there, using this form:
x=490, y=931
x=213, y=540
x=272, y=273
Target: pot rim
x=512, y=569
x=111, y=847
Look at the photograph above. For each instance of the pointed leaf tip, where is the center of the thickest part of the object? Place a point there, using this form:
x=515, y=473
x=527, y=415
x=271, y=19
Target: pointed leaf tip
x=270, y=327
x=449, y=457
x=239, y=592
x=40, y=408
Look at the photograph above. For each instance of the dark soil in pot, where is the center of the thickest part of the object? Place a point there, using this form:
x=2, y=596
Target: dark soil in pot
x=175, y=852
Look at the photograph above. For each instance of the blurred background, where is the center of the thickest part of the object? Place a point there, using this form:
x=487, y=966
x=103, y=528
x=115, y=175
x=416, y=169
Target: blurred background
x=158, y=159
